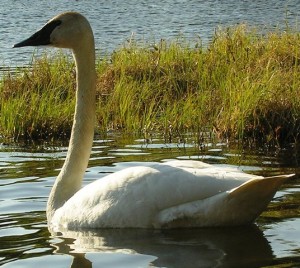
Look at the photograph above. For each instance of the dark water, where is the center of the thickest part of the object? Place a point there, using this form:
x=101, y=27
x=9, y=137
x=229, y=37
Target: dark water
x=116, y=21
x=27, y=175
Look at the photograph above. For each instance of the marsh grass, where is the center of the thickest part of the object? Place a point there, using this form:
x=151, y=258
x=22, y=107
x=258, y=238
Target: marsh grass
x=38, y=102
x=243, y=85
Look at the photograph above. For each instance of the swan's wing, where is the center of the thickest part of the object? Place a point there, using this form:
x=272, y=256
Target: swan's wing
x=241, y=205
x=186, y=164
x=192, y=164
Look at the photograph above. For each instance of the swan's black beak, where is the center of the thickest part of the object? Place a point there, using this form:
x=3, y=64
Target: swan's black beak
x=41, y=37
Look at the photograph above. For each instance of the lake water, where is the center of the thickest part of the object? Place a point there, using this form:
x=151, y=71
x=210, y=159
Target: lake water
x=27, y=172
x=27, y=175
x=115, y=21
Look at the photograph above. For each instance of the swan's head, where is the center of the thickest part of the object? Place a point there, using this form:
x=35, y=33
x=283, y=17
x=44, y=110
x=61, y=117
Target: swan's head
x=67, y=30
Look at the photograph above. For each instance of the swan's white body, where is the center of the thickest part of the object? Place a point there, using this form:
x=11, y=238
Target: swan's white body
x=166, y=195
x=171, y=194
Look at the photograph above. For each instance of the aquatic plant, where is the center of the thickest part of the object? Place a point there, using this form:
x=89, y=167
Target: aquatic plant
x=36, y=103
x=244, y=85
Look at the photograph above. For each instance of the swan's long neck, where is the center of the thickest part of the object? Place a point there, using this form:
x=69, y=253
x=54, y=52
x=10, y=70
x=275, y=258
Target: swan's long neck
x=69, y=180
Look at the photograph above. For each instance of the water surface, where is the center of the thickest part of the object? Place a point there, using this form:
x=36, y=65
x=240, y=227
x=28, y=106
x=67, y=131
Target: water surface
x=116, y=21
x=27, y=174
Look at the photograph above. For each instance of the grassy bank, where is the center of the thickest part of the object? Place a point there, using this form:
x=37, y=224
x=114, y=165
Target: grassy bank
x=242, y=86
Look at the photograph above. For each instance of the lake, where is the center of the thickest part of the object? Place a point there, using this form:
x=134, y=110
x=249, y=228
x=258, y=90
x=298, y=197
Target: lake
x=27, y=172
x=116, y=21
x=27, y=175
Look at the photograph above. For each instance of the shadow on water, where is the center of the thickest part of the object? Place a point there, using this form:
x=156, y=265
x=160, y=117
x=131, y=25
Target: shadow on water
x=209, y=247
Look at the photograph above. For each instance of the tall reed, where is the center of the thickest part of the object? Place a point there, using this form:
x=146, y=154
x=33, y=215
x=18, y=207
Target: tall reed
x=38, y=102
x=243, y=85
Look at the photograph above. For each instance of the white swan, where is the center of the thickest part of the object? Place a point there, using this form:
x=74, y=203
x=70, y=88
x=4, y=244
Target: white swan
x=166, y=195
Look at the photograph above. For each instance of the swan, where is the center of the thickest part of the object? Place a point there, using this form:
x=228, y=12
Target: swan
x=165, y=195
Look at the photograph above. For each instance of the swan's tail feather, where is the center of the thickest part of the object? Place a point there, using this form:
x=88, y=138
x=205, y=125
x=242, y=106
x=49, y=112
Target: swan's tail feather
x=239, y=206
x=260, y=187
x=250, y=199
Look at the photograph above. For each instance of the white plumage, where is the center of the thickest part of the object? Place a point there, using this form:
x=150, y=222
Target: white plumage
x=171, y=194
x=165, y=195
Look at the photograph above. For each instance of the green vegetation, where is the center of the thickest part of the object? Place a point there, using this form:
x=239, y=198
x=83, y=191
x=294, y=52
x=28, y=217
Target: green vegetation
x=38, y=102
x=243, y=85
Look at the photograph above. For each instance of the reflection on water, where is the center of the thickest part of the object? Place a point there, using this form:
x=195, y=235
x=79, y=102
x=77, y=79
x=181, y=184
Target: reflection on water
x=27, y=175
x=227, y=247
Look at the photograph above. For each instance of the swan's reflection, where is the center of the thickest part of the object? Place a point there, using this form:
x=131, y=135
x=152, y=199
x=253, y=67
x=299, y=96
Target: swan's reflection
x=216, y=247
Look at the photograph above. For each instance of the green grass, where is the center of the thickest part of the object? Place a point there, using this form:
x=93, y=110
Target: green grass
x=243, y=86
x=38, y=102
